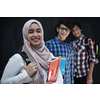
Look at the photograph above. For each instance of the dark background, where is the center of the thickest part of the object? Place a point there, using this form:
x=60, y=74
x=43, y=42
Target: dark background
x=11, y=35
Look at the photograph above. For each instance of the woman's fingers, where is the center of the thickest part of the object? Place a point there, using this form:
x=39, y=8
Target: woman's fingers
x=30, y=68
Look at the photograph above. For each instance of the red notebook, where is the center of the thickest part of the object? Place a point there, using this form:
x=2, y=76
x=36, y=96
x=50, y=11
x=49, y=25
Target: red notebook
x=53, y=70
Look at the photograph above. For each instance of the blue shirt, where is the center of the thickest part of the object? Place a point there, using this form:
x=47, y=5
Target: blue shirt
x=57, y=48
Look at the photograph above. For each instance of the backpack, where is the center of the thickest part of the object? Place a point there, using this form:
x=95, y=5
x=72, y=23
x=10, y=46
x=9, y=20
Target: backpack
x=25, y=57
x=96, y=48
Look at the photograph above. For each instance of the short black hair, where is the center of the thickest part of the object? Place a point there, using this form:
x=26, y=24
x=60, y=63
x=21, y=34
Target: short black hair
x=65, y=22
x=76, y=23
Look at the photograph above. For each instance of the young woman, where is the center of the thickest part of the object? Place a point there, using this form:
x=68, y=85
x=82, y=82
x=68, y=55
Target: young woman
x=16, y=70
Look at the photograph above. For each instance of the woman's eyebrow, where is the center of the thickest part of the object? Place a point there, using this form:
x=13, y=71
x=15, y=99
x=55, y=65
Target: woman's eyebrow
x=30, y=30
x=38, y=29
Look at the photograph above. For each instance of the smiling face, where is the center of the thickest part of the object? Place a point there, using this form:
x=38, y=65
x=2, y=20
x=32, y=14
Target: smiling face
x=63, y=32
x=77, y=32
x=35, y=35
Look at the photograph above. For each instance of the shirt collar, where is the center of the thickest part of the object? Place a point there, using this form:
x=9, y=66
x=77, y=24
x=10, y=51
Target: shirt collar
x=59, y=40
x=80, y=38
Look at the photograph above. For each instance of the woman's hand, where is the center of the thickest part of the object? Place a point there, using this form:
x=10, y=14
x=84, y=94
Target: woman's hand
x=31, y=68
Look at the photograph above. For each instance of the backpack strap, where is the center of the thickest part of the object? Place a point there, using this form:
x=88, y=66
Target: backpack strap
x=25, y=57
x=86, y=44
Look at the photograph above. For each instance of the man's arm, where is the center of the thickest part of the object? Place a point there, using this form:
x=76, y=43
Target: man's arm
x=92, y=61
x=89, y=76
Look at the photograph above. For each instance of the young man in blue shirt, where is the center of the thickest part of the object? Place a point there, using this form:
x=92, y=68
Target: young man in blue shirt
x=58, y=47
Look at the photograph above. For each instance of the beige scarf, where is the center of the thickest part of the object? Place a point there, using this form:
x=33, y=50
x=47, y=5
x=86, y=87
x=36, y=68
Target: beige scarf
x=38, y=54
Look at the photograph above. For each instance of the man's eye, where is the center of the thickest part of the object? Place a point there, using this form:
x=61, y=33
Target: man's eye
x=66, y=30
x=63, y=28
x=76, y=28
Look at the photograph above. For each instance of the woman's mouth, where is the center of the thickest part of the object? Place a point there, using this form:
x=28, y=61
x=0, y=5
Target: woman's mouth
x=35, y=39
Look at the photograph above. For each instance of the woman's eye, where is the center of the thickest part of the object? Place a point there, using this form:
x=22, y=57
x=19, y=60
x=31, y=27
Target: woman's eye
x=30, y=32
x=38, y=31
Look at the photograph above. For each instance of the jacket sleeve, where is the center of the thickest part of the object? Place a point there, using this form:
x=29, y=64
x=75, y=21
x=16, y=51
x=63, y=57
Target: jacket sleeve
x=14, y=72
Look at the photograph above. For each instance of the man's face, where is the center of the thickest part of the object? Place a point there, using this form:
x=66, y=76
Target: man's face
x=63, y=32
x=77, y=32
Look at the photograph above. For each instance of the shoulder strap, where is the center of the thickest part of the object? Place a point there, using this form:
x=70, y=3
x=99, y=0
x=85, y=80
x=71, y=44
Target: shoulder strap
x=86, y=44
x=25, y=57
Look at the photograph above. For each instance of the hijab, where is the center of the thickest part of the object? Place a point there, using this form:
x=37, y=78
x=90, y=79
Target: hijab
x=36, y=53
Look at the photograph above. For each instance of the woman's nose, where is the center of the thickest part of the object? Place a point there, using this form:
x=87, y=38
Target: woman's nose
x=35, y=33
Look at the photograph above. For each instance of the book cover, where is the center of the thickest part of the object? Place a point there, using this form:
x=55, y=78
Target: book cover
x=62, y=64
x=53, y=70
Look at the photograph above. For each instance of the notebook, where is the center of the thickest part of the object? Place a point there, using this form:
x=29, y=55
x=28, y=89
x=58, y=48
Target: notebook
x=62, y=64
x=53, y=70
